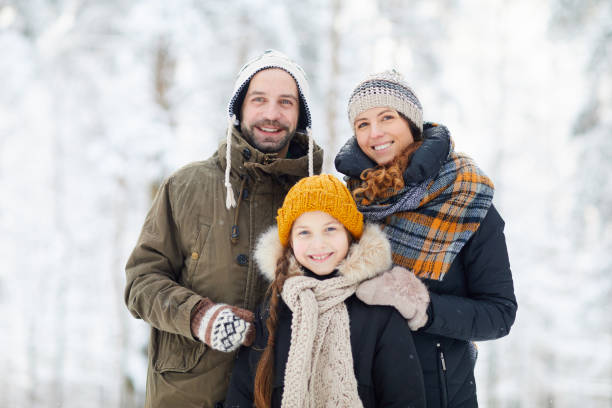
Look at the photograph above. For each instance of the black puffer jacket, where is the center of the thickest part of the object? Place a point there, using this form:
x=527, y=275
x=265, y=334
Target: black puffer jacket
x=385, y=360
x=475, y=300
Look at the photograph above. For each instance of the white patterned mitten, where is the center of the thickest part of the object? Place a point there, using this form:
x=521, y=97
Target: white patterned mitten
x=224, y=327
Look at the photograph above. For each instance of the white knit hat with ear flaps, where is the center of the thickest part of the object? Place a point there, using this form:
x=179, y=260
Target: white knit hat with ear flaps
x=269, y=59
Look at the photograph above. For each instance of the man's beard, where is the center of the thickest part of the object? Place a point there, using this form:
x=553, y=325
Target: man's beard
x=248, y=134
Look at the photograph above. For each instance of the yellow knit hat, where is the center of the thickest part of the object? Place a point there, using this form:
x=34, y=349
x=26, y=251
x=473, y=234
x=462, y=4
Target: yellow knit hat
x=325, y=193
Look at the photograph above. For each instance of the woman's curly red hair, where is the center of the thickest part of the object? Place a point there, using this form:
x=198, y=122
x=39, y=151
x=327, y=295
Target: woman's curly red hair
x=385, y=180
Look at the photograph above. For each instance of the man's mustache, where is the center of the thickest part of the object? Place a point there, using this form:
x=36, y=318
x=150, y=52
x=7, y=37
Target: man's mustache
x=272, y=123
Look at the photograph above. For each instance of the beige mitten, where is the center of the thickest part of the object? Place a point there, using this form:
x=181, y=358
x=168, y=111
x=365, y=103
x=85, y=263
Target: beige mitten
x=401, y=289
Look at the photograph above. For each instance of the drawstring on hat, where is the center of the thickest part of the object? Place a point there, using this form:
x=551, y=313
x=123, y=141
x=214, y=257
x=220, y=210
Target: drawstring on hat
x=230, y=201
x=310, y=151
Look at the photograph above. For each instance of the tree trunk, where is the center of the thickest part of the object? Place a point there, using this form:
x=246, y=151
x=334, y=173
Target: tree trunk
x=332, y=93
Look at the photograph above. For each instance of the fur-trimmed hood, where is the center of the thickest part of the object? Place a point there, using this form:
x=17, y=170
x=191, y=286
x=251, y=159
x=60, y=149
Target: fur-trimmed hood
x=368, y=257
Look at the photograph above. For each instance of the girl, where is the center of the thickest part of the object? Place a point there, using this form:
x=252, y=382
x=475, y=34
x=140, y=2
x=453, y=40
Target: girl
x=317, y=344
x=436, y=209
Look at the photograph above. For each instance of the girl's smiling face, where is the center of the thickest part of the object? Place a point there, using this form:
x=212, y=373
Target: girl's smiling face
x=319, y=241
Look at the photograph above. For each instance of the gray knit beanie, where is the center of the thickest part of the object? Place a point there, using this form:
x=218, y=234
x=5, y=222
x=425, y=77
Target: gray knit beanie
x=387, y=89
x=269, y=59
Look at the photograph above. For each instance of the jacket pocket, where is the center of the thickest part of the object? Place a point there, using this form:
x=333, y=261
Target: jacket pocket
x=442, y=376
x=173, y=352
x=196, y=251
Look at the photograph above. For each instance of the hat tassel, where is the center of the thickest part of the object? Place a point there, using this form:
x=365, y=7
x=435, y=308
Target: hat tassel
x=230, y=201
x=310, y=152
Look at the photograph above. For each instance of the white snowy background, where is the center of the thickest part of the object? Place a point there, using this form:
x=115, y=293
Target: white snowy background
x=100, y=100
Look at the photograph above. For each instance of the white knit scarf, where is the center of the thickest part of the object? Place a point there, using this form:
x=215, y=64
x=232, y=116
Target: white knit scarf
x=319, y=371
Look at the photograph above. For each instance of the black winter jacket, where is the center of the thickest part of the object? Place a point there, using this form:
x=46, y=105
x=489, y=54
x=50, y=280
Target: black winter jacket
x=475, y=301
x=385, y=359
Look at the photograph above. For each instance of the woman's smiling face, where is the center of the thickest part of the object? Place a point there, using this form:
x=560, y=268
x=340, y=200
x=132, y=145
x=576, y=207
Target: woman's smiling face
x=382, y=134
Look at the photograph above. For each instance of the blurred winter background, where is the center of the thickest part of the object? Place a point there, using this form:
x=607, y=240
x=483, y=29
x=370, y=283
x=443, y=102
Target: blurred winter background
x=100, y=100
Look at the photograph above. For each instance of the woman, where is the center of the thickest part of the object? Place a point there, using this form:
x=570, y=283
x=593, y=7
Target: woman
x=317, y=344
x=436, y=208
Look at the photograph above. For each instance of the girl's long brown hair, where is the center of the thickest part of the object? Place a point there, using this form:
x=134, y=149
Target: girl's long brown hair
x=264, y=376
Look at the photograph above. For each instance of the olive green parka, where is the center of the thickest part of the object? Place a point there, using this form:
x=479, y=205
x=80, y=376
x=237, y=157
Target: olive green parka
x=185, y=253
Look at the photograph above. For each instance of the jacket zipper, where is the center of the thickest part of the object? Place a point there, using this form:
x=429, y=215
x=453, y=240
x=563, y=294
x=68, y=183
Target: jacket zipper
x=442, y=375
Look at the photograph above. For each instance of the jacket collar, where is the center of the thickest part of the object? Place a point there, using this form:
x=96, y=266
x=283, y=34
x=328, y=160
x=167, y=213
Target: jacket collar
x=368, y=257
x=425, y=162
x=245, y=157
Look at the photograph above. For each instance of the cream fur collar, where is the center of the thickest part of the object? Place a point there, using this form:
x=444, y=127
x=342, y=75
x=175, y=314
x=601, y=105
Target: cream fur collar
x=368, y=257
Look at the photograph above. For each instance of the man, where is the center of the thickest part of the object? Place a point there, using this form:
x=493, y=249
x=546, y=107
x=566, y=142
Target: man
x=190, y=275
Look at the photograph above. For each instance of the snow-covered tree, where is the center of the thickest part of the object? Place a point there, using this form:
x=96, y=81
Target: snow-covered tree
x=103, y=100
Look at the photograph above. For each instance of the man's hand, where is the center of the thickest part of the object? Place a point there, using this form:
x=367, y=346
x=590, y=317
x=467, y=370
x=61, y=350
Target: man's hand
x=224, y=327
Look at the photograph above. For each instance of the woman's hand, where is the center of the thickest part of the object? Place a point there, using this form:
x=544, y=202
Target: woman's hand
x=401, y=289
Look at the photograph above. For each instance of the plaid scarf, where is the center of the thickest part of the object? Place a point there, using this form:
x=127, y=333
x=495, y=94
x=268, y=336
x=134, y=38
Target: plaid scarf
x=426, y=239
x=405, y=200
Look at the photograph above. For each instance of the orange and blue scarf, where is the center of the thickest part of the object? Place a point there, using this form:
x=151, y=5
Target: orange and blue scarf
x=427, y=237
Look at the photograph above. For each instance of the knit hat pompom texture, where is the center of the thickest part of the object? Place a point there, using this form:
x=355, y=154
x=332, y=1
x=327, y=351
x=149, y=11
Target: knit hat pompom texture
x=322, y=192
x=387, y=89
